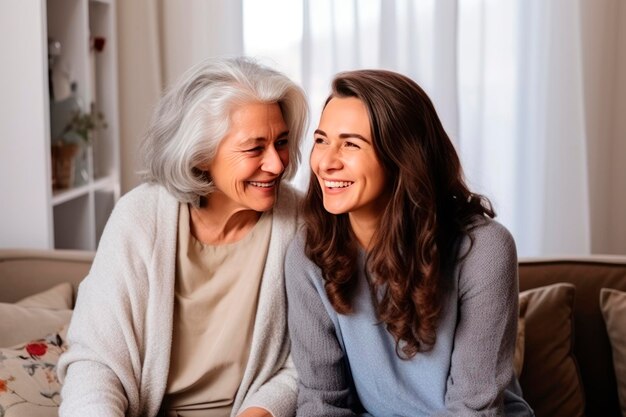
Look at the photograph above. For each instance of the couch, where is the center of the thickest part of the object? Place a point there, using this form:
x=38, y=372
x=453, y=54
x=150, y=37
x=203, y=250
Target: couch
x=592, y=348
x=590, y=387
x=28, y=383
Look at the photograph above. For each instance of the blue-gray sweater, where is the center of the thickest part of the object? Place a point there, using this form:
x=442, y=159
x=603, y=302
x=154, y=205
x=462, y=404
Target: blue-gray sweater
x=348, y=363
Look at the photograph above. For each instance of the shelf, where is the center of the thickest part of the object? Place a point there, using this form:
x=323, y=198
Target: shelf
x=63, y=196
x=34, y=214
x=73, y=224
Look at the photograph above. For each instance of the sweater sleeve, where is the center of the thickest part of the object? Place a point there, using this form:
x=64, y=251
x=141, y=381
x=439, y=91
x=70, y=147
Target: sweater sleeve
x=484, y=340
x=101, y=369
x=323, y=387
x=278, y=394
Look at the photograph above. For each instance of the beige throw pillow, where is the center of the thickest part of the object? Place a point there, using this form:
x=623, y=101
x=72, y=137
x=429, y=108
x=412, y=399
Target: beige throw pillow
x=518, y=359
x=36, y=316
x=58, y=297
x=550, y=380
x=29, y=385
x=613, y=306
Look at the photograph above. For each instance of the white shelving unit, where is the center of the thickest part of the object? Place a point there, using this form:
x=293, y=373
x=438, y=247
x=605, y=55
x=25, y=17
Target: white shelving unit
x=31, y=213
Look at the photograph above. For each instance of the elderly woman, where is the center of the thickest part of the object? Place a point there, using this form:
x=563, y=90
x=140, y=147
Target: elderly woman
x=183, y=312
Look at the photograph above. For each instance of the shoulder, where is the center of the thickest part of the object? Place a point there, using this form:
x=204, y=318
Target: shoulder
x=487, y=256
x=296, y=251
x=298, y=266
x=145, y=196
x=286, y=217
x=488, y=238
x=141, y=208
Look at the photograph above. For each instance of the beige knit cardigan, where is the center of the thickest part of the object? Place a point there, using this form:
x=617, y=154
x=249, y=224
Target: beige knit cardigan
x=121, y=330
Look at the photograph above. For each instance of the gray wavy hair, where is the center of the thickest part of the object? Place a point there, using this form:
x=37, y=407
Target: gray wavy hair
x=193, y=117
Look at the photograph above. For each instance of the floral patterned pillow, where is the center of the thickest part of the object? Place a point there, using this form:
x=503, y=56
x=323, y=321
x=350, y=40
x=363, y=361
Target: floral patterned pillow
x=28, y=381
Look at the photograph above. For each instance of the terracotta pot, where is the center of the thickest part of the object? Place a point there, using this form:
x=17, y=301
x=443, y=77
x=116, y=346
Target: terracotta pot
x=63, y=155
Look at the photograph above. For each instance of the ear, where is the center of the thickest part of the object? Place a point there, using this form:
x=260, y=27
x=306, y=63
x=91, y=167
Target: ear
x=201, y=172
x=204, y=166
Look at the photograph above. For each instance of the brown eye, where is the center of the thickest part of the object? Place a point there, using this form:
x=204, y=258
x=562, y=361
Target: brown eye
x=254, y=150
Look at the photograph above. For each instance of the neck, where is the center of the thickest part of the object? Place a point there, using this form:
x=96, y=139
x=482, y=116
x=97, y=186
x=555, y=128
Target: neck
x=364, y=228
x=219, y=221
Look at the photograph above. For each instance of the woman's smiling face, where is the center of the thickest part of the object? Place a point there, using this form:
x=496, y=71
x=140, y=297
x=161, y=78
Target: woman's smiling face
x=345, y=163
x=252, y=158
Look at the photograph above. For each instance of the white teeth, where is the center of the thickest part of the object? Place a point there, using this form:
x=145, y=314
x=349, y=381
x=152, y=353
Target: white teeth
x=337, y=184
x=263, y=184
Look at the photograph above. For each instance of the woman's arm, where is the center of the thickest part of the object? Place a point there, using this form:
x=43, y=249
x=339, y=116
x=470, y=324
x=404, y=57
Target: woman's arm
x=323, y=388
x=277, y=396
x=102, y=367
x=255, y=412
x=484, y=340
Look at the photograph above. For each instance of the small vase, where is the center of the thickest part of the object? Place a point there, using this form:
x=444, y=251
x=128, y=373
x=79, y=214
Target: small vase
x=81, y=165
x=63, y=155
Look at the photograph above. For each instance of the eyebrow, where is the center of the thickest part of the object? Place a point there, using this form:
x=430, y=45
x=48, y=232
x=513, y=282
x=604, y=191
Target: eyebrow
x=344, y=135
x=259, y=139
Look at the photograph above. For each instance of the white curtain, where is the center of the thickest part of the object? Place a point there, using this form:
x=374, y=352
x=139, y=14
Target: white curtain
x=193, y=30
x=505, y=77
x=523, y=135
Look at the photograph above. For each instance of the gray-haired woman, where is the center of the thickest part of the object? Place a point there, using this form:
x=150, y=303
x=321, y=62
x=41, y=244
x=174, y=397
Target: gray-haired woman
x=183, y=311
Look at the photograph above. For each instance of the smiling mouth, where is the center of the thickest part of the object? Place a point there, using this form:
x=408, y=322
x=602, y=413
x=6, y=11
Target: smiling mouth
x=337, y=184
x=260, y=184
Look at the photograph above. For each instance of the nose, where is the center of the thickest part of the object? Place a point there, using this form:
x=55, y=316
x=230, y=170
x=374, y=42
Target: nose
x=272, y=162
x=329, y=160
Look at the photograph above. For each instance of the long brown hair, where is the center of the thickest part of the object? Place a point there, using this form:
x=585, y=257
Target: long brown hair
x=429, y=209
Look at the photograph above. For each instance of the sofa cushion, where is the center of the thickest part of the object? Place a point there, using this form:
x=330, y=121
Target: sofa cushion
x=28, y=382
x=550, y=380
x=518, y=359
x=36, y=316
x=592, y=346
x=59, y=297
x=613, y=306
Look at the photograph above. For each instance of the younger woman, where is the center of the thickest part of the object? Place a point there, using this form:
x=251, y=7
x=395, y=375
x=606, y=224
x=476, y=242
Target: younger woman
x=402, y=289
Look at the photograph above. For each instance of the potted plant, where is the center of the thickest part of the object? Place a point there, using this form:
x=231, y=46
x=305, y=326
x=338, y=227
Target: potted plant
x=78, y=131
x=83, y=124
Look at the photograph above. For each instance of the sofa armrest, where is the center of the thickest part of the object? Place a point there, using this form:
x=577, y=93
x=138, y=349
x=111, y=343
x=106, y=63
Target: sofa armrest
x=24, y=272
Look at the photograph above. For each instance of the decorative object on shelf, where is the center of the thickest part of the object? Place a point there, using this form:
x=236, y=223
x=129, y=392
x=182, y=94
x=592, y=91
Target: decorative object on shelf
x=70, y=151
x=97, y=43
x=84, y=124
x=63, y=155
x=59, y=85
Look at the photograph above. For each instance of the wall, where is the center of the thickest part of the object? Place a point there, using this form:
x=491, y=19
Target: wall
x=26, y=216
x=604, y=69
x=618, y=165
x=139, y=79
x=159, y=40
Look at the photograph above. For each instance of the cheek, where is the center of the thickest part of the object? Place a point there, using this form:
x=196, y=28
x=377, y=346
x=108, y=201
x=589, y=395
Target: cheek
x=375, y=172
x=381, y=177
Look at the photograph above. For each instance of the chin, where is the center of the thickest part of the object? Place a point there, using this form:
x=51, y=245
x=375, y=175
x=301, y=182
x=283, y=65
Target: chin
x=334, y=210
x=263, y=207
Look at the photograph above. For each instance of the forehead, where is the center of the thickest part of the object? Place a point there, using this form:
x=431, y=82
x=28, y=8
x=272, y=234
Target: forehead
x=256, y=114
x=346, y=114
x=254, y=122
